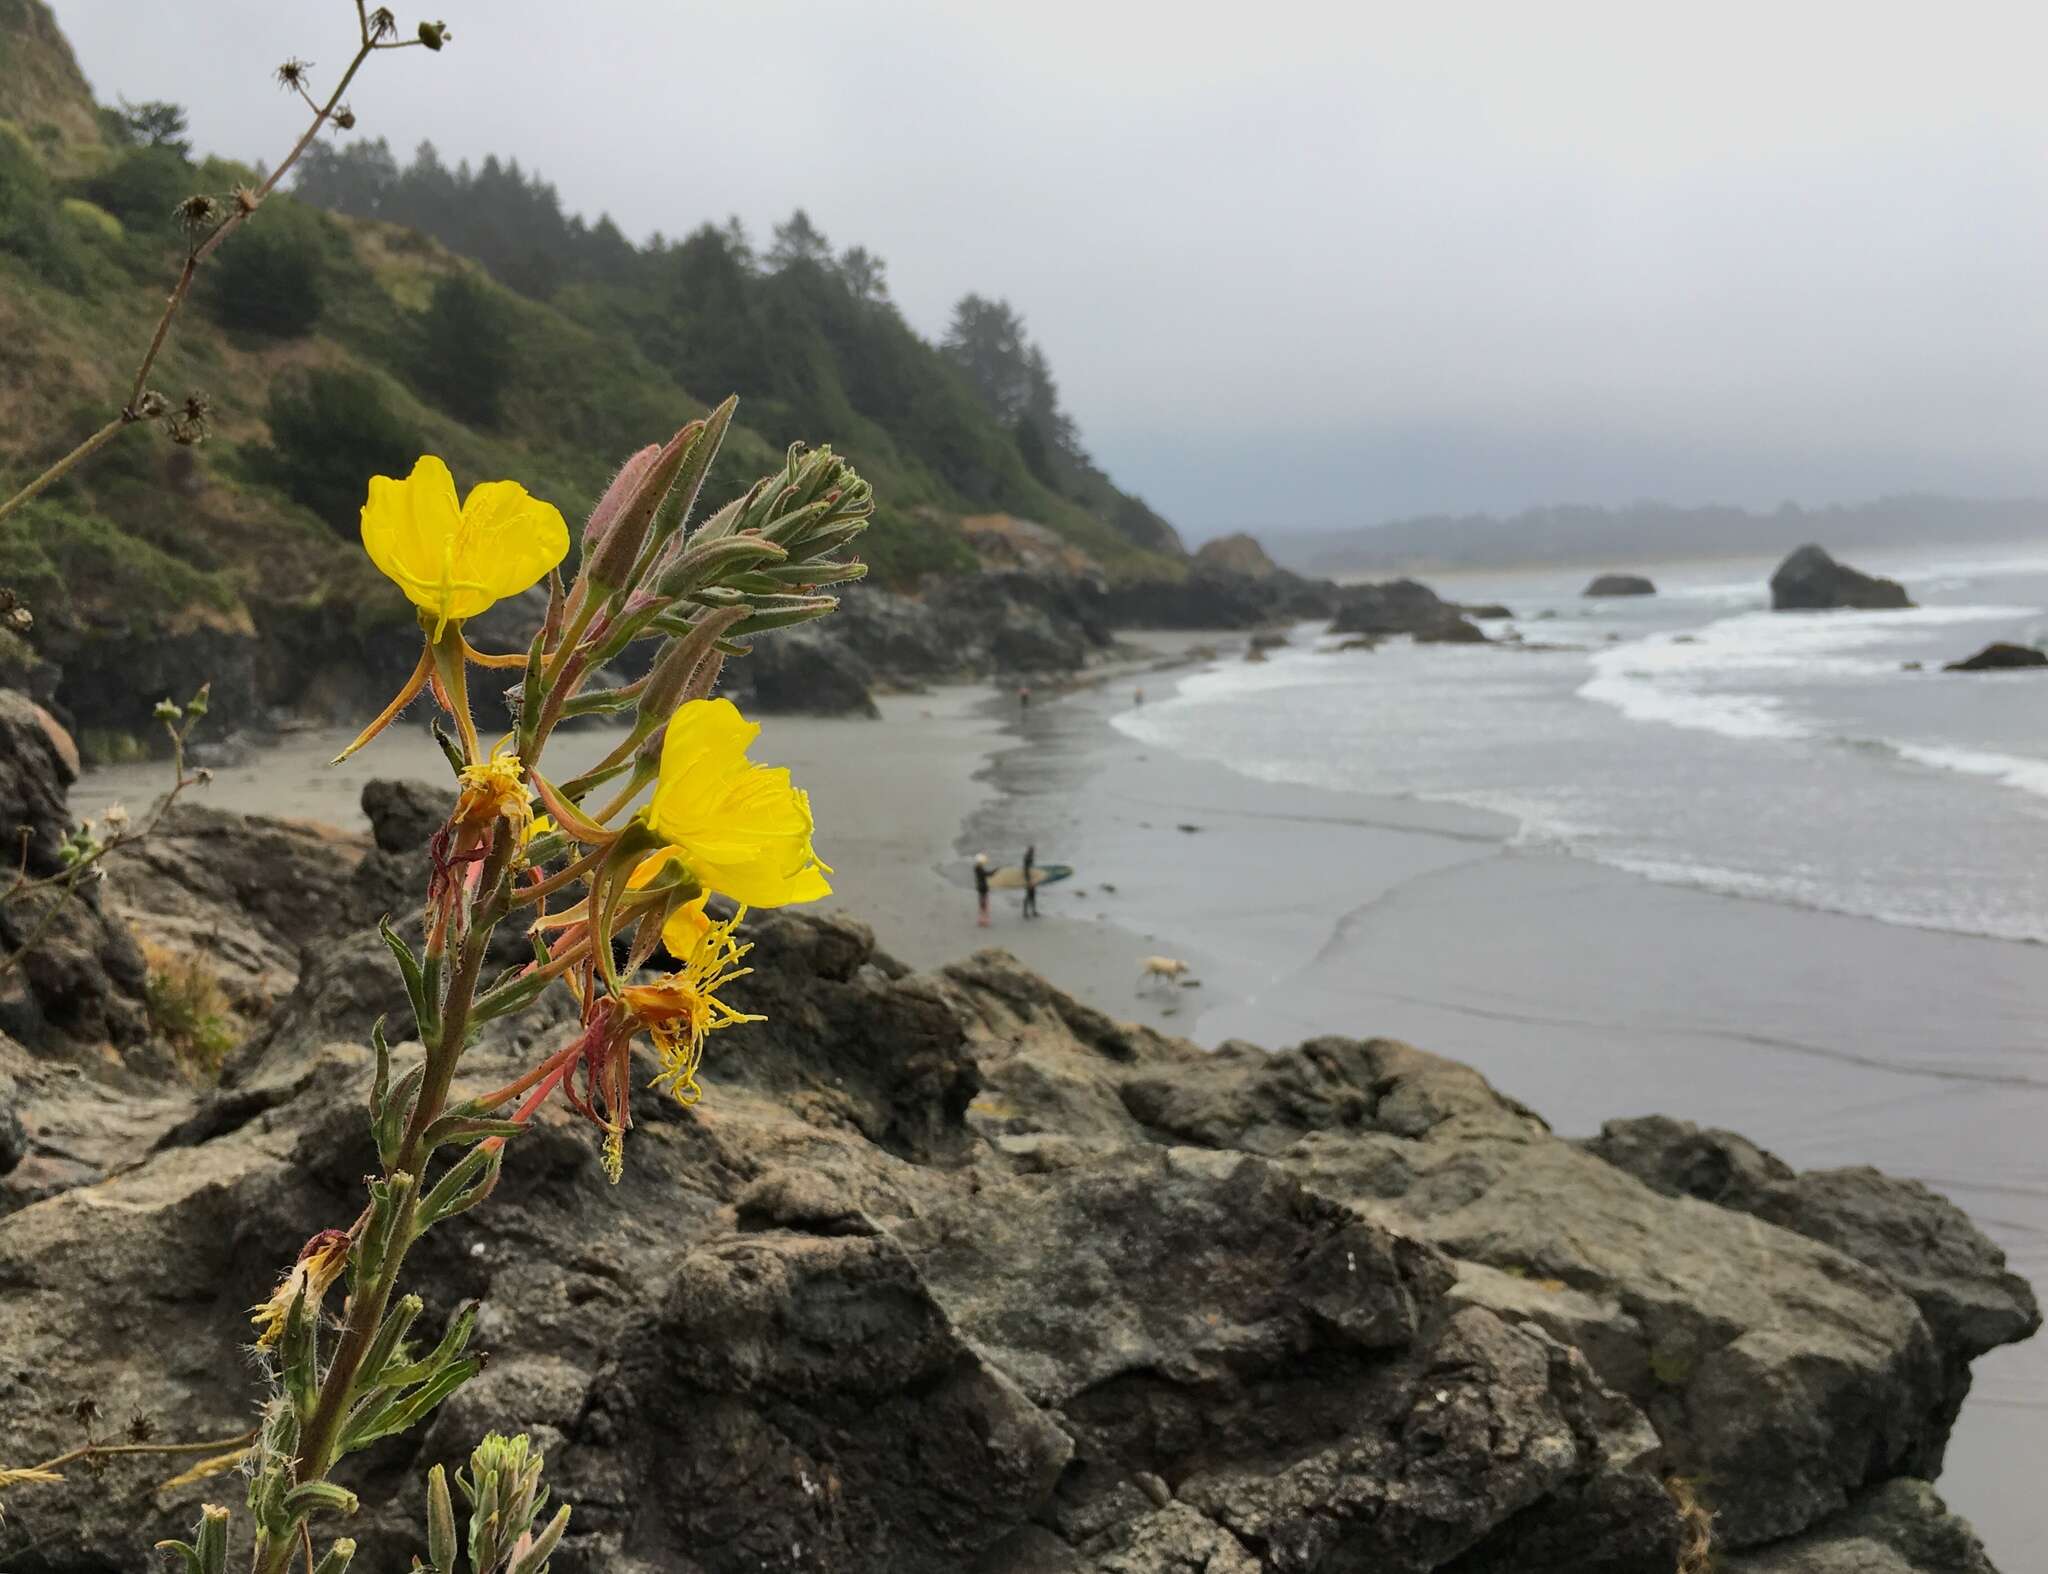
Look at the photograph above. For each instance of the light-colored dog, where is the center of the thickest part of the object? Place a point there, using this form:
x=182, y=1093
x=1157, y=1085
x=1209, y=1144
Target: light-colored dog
x=1166, y=969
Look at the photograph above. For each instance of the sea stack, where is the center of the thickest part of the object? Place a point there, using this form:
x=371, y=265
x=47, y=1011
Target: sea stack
x=2000, y=657
x=1619, y=585
x=1811, y=581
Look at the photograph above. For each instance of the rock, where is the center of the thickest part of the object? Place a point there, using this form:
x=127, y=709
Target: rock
x=1268, y=639
x=240, y=894
x=802, y=671
x=1901, y=1527
x=1619, y=585
x=1485, y=609
x=1214, y=596
x=1757, y=1355
x=1236, y=554
x=1289, y=1372
x=1402, y=606
x=404, y=814
x=805, y=1402
x=82, y=982
x=1916, y=1238
x=951, y=1272
x=1999, y=657
x=1810, y=580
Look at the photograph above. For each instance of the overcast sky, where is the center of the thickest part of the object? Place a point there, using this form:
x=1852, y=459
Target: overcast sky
x=1312, y=265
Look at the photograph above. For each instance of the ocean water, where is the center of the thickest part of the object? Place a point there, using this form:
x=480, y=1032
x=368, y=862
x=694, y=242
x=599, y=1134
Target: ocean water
x=1695, y=737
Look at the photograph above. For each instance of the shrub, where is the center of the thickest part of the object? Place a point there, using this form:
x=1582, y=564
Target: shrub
x=465, y=351
x=188, y=1006
x=328, y=435
x=142, y=187
x=30, y=227
x=67, y=564
x=271, y=275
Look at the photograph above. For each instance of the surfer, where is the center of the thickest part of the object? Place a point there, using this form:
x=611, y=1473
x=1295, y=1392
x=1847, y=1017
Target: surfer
x=1030, y=884
x=981, y=886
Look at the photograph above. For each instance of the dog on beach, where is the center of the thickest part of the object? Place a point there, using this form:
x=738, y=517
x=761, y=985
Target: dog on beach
x=1161, y=969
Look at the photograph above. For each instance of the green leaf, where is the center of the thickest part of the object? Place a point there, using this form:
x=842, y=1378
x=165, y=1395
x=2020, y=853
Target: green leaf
x=423, y=1013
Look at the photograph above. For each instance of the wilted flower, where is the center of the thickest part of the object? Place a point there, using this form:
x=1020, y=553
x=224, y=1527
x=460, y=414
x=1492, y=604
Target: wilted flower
x=494, y=790
x=732, y=825
x=320, y=1263
x=680, y=1010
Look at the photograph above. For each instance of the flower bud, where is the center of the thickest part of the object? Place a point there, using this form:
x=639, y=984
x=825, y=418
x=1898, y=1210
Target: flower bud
x=612, y=562
x=434, y=34
x=623, y=486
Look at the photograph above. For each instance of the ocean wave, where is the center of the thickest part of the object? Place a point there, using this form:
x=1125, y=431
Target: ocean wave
x=2008, y=770
x=1681, y=679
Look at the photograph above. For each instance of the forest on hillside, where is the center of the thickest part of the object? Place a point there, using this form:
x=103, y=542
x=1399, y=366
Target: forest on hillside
x=804, y=332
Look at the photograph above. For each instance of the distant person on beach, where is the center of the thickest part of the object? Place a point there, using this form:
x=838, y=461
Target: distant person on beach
x=981, y=886
x=1137, y=696
x=1030, y=885
x=1023, y=696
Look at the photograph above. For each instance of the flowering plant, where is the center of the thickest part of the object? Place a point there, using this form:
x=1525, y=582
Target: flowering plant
x=605, y=871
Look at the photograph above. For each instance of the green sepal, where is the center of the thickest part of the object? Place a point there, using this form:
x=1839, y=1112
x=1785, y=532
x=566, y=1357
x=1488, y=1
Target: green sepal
x=298, y=1355
x=340, y=1554
x=388, y=1121
x=599, y=702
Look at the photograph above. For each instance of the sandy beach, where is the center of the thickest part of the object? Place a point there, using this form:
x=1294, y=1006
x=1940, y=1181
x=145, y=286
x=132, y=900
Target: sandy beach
x=1584, y=991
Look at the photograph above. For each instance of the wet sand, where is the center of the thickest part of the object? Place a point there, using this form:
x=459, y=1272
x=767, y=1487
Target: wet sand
x=1584, y=991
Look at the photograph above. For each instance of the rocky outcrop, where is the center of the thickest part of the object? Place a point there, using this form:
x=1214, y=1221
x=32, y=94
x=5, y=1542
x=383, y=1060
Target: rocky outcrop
x=1403, y=606
x=81, y=980
x=2000, y=657
x=1811, y=581
x=1215, y=596
x=1619, y=585
x=1901, y=1527
x=1238, y=554
x=952, y=1272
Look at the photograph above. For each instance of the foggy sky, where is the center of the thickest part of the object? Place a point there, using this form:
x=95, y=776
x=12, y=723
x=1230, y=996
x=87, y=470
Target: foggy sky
x=1305, y=265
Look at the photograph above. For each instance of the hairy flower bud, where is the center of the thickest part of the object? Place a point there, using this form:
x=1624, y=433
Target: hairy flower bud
x=623, y=486
x=611, y=564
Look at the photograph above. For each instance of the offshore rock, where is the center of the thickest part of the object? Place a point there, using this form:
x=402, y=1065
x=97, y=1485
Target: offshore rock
x=1809, y=580
x=1619, y=585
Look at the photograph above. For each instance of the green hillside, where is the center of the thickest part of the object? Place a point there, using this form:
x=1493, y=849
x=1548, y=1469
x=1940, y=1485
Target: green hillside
x=328, y=347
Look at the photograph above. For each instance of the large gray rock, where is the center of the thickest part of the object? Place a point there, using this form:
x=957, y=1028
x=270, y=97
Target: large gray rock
x=1809, y=581
x=1901, y=1527
x=1619, y=585
x=1402, y=606
x=81, y=983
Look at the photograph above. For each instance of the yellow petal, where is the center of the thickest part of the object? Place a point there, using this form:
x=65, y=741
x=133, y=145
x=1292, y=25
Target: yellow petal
x=454, y=560
x=509, y=540
x=406, y=526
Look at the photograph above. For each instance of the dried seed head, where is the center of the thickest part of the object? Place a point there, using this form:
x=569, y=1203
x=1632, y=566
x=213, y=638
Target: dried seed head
x=191, y=422
x=151, y=405
x=198, y=212
x=434, y=34
x=86, y=1411
x=345, y=118
x=140, y=1427
x=382, y=23
x=292, y=74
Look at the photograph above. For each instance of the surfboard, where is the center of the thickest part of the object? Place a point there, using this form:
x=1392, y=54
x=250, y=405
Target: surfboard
x=1011, y=877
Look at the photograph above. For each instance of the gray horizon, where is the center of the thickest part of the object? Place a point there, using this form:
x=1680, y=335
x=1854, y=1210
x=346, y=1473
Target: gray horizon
x=1332, y=269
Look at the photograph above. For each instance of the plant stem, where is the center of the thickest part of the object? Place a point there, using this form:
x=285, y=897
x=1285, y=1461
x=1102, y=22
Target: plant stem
x=57, y=471
x=322, y=1434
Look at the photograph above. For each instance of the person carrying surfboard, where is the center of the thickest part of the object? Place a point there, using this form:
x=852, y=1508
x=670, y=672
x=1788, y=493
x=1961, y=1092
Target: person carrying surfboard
x=1030, y=884
x=981, y=886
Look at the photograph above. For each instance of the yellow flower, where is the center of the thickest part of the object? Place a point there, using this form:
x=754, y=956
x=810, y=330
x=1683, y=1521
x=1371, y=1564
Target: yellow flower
x=320, y=1263
x=494, y=790
x=681, y=1009
x=734, y=826
x=452, y=560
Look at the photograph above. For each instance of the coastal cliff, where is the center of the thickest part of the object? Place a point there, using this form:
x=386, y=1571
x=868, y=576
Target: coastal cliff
x=951, y=1271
